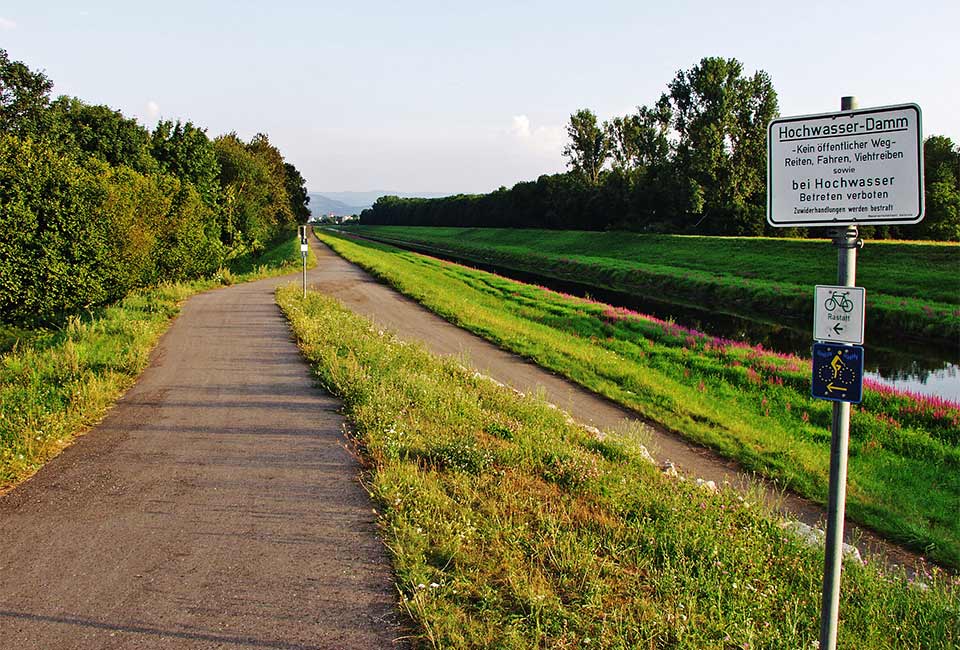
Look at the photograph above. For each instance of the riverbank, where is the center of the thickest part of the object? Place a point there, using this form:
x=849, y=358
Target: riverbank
x=913, y=288
x=745, y=402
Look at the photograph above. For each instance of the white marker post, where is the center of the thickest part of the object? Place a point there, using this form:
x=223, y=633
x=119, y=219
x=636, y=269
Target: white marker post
x=840, y=170
x=304, y=247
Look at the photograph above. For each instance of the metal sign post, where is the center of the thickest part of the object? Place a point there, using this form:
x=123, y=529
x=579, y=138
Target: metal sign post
x=847, y=241
x=840, y=170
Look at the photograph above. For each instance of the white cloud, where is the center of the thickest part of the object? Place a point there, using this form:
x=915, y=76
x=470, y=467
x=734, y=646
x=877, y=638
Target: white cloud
x=153, y=110
x=543, y=138
x=6, y=24
x=550, y=138
x=520, y=126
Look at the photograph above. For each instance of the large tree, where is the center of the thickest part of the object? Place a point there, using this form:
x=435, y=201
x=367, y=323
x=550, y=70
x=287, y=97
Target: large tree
x=186, y=152
x=588, y=148
x=623, y=134
x=297, y=192
x=720, y=118
x=639, y=141
x=244, y=179
x=256, y=204
x=24, y=98
x=280, y=207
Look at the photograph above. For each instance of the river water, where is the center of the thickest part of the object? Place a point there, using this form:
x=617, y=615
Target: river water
x=909, y=365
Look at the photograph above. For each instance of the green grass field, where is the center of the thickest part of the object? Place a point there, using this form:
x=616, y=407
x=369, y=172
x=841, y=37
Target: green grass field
x=913, y=288
x=55, y=384
x=511, y=527
x=747, y=403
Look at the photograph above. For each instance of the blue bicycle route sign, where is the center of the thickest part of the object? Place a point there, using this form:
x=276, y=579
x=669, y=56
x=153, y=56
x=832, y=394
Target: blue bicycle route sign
x=837, y=372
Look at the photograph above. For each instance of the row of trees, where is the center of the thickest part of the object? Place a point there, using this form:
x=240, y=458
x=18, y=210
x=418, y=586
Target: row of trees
x=92, y=204
x=694, y=162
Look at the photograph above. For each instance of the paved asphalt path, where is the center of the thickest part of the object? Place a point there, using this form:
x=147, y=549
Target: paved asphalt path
x=362, y=293
x=216, y=506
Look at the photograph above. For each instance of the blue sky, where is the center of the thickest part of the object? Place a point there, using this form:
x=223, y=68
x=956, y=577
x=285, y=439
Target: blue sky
x=456, y=97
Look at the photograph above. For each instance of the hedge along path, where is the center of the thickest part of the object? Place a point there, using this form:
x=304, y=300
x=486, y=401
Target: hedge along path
x=363, y=294
x=215, y=506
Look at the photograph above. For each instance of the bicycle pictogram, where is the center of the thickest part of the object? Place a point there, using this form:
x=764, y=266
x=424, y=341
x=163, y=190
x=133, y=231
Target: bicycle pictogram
x=837, y=375
x=839, y=299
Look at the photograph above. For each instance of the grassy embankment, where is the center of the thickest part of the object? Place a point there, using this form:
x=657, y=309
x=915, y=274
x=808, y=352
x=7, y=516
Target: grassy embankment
x=56, y=384
x=511, y=527
x=747, y=403
x=913, y=288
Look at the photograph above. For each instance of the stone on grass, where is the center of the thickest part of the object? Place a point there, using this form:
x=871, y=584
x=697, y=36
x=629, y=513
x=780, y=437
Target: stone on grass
x=645, y=454
x=816, y=538
x=709, y=486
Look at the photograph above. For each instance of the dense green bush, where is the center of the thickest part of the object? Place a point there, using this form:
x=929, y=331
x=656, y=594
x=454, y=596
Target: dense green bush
x=51, y=251
x=92, y=204
x=188, y=238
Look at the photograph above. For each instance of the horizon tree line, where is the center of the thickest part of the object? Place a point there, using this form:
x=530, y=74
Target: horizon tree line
x=692, y=162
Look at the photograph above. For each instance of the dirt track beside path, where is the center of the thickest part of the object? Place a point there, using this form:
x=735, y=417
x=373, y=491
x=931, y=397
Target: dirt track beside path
x=215, y=507
x=363, y=294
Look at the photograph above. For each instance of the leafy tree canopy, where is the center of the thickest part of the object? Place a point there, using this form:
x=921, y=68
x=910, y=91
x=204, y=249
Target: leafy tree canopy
x=186, y=152
x=297, y=191
x=24, y=97
x=102, y=132
x=720, y=117
x=589, y=146
x=942, y=184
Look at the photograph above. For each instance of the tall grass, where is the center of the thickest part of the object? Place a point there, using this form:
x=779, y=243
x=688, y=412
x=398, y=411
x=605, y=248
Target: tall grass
x=511, y=527
x=56, y=384
x=748, y=403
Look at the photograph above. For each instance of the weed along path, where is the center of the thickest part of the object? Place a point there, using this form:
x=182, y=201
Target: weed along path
x=216, y=506
x=360, y=292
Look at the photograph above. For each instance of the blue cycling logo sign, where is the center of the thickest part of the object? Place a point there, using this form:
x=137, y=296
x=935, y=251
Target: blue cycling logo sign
x=837, y=372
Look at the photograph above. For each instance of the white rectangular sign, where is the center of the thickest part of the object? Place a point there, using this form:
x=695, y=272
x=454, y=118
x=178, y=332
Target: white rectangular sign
x=838, y=314
x=304, y=248
x=851, y=167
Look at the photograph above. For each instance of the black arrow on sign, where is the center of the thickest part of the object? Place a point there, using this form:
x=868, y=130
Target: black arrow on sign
x=837, y=329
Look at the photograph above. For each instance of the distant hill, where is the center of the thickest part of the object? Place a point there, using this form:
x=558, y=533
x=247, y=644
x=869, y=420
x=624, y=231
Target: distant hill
x=321, y=204
x=347, y=203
